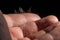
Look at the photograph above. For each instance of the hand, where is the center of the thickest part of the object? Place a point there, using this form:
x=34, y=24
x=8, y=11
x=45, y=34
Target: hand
x=16, y=20
x=26, y=26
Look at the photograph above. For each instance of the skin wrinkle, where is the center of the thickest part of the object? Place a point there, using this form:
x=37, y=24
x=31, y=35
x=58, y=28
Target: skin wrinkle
x=33, y=17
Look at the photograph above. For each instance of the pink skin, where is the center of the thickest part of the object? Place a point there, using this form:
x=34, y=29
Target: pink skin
x=31, y=16
x=8, y=20
x=16, y=32
x=16, y=20
x=20, y=19
x=13, y=20
x=46, y=21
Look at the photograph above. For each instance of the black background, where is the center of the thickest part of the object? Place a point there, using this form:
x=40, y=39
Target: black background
x=43, y=8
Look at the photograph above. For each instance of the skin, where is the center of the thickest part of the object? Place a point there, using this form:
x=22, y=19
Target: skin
x=31, y=16
x=16, y=32
x=52, y=27
x=25, y=38
x=14, y=20
x=46, y=37
x=46, y=21
x=8, y=20
x=17, y=19
x=16, y=24
x=56, y=32
x=29, y=28
x=20, y=19
x=37, y=34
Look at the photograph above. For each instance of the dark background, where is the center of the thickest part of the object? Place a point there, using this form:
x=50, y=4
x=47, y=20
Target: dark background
x=43, y=8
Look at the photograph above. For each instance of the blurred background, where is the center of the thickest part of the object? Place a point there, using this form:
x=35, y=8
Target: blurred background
x=42, y=8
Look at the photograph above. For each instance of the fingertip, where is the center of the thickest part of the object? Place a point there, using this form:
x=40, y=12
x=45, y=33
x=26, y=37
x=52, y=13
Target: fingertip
x=31, y=16
x=52, y=18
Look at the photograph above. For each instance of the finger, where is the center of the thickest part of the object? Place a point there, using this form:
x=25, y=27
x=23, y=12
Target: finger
x=51, y=27
x=26, y=38
x=37, y=34
x=46, y=37
x=29, y=28
x=46, y=21
x=56, y=31
x=13, y=38
x=18, y=19
x=16, y=32
x=31, y=16
x=8, y=20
